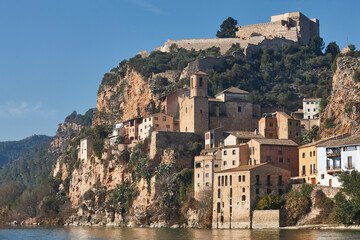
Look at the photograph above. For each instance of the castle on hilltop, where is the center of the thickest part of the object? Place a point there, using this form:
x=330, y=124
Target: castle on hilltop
x=292, y=27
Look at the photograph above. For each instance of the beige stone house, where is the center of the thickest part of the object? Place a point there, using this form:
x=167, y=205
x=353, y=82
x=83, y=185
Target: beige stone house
x=208, y=162
x=279, y=125
x=238, y=137
x=155, y=122
x=237, y=189
x=86, y=148
x=230, y=108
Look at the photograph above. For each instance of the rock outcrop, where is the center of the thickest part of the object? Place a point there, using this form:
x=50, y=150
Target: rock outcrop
x=60, y=142
x=129, y=97
x=342, y=114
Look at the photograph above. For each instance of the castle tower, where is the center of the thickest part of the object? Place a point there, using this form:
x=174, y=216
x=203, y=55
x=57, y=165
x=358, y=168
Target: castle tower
x=198, y=84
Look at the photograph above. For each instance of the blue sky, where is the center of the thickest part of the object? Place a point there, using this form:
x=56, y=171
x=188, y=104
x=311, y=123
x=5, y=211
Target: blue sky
x=53, y=54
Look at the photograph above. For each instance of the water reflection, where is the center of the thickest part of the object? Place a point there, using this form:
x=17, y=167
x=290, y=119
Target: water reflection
x=147, y=233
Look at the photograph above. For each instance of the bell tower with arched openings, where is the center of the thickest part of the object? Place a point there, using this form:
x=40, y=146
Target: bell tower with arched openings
x=198, y=84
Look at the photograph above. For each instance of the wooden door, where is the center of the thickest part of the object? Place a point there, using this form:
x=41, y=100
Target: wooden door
x=313, y=181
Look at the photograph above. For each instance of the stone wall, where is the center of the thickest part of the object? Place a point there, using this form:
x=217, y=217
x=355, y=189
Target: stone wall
x=265, y=219
x=162, y=140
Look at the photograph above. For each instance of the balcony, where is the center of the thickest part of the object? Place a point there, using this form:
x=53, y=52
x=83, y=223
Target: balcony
x=333, y=165
x=349, y=166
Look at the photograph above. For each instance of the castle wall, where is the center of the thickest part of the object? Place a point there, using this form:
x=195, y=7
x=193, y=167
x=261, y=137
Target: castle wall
x=266, y=219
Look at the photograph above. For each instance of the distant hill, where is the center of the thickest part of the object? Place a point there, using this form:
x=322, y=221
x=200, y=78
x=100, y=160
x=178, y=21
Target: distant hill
x=11, y=150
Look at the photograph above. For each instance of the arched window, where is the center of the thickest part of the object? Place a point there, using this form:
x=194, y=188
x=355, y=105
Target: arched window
x=243, y=197
x=201, y=82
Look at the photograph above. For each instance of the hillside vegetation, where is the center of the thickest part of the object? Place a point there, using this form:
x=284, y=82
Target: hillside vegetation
x=11, y=150
x=273, y=77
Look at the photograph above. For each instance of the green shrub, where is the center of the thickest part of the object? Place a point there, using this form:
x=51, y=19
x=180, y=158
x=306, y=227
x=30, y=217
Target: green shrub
x=98, y=147
x=329, y=123
x=356, y=76
x=121, y=198
x=120, y=139
x=269, y=202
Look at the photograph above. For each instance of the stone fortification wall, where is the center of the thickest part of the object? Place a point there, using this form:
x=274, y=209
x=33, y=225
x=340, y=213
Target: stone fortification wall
x=265, y=219
x=269, y=30
x=162, y=140
x=203, y=43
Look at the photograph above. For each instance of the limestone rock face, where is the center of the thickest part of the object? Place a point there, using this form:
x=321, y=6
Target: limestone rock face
x=128, y=98
x=343, y=108
x=62, y=138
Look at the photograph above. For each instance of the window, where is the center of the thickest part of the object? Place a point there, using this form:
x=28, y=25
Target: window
x=218, y=207
x=219, y=193
x=257, y=191
x=224, y=163
x=271, y=124
x=226, y=177
x=280, y=182
x=239, y=108
x=233, y=152
x=233, y=162
x=257, y=180
x=303, y=155
x=156, y=118
x=207, y=184
x=207, y=175
x=254, y=161
x=310, y=154
x=167, y=126
x=186, y=110
x=297, y=134
x=239, y=178
x=243, y=178
x=308, y=117
x=230, y=207
x=314, y=109
x=198, y=164
x=307, y=102
x=216, y=166
x=310, y=168
x=222, y=180
x=201, y=81
x=207, y=166
x=243, y=197
x=198, y=184
x=207, y=136
x=322, y=176
x=243, y=189
x=198, y=175
x=218, y=180
x=314, y=153
x=281, y=160
x=225, y=152
x=280, y=150
x=230, y=192
x=230, y=202
x=290, y=123
x=212, y=136
x=200, y=110
x=303, y=170
x=309, y=110
x=297, y=124
x=268, y=180
x=288, y=160
x=268, y=158
x=350, y=148
x=230, y=179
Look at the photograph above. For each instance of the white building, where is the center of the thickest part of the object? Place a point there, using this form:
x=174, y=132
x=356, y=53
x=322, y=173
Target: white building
x=86, y=148
x=335, y=156
x=311, y=107
x=155, y=122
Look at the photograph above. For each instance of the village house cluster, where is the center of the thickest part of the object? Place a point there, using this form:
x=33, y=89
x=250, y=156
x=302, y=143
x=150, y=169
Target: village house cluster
x=247, y=153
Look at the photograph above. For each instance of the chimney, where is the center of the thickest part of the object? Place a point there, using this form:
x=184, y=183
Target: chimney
x=221, y=143
x=256, y=132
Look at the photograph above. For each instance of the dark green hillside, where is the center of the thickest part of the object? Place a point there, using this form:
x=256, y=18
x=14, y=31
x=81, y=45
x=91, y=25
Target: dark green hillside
x=11, y=150
x=31, y=168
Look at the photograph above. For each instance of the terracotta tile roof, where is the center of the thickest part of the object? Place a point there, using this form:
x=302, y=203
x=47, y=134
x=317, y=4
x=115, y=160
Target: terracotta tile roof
x=323, y=141
x=232, y=90
x=299, y=111
x=215, y=100
x=283, y=142
x=199, y=73
x=311, y=99
x=245, y=134
x=284, y=114
x=345, y=141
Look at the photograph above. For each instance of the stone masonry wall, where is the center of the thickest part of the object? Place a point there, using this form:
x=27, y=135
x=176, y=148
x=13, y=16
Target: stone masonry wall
x=266, y=219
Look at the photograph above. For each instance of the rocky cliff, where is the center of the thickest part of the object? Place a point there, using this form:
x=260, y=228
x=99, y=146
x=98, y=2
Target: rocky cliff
x=130, y=96
x=342, y=114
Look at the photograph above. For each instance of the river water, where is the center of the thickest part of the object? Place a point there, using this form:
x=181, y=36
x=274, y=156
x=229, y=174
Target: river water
x=61, y=233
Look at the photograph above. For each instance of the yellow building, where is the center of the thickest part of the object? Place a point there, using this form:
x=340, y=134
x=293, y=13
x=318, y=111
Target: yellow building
x=308, y=161
x=155, y=122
